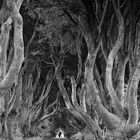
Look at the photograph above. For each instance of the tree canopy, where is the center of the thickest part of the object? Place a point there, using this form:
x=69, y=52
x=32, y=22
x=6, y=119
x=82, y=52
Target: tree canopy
x=72, y=65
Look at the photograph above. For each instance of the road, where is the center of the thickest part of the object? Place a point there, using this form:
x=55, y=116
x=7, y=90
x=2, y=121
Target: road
x=38, y=138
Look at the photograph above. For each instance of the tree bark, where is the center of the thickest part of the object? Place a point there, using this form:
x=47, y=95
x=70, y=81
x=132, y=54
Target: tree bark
x=64, y=93
x=120, y=79
x=82, y=95
x=4, y=41
x=91, y=124
x=133, y=108
x=111, y=57
x=12, y=74
x=112, y=121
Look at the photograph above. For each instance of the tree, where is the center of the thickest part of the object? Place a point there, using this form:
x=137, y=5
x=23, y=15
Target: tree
x=10, y=78
x=80, y=60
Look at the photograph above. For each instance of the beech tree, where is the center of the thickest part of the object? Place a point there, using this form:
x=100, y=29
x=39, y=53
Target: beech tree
x=80, y=59
x=10, y=13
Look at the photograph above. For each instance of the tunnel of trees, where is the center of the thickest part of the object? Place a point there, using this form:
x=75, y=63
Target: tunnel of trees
x=72, y=65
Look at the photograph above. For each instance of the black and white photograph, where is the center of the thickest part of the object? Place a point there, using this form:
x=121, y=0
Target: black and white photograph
x=69, y=69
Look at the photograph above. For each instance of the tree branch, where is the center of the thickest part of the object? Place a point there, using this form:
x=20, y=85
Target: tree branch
x=11, y=76
x=93, y=127
x=110, y=61
x=133, y=108
x=70, y=17
x=79, y=59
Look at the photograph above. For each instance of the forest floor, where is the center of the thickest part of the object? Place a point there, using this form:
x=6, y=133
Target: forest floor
x=34, y=138
x=39, y=138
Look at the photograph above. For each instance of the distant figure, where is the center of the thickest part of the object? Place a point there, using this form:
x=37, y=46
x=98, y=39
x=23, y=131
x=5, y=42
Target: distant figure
x=60, y=134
